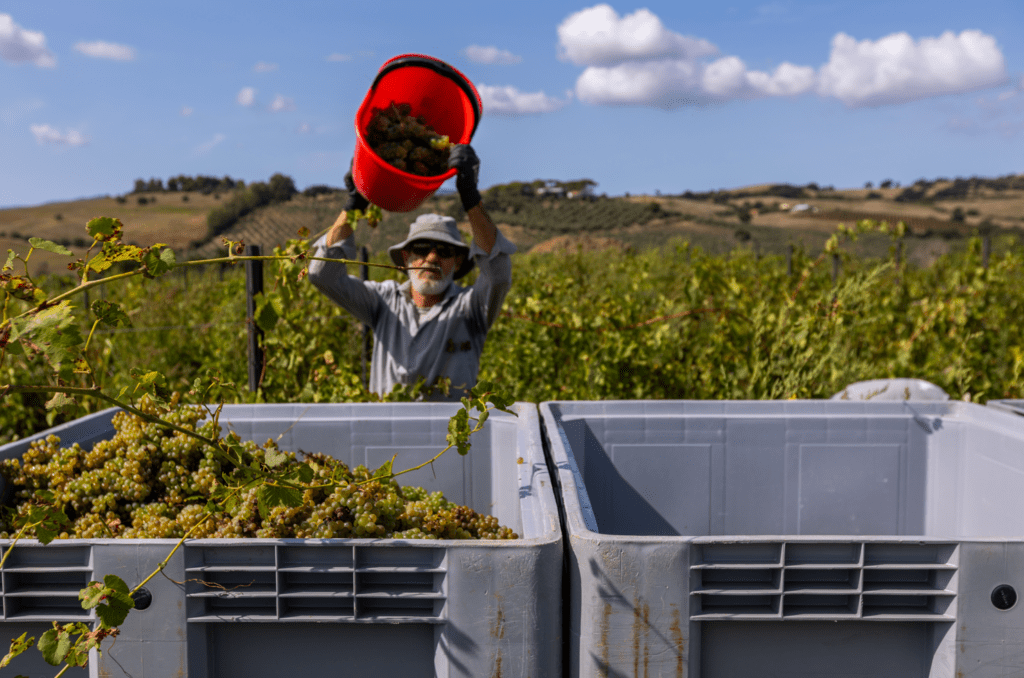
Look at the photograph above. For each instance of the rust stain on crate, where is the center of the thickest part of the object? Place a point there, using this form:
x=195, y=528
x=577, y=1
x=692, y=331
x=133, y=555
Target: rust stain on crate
x=606, y=620
x=499, y=624
x=641, y=627
x=677, y=636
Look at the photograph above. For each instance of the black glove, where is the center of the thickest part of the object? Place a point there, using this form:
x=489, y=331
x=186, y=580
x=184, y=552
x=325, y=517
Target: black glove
x=463, y=158
x=356, y=200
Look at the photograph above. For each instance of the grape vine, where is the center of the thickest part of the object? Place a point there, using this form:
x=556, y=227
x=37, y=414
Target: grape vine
x=169, y=472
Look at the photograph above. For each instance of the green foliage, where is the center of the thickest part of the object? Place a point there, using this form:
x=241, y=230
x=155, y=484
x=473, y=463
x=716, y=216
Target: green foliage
x=672, y=323
x=738, y=327
x=114, y=591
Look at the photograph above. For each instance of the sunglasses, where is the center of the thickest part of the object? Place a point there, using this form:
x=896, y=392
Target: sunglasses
x=423, y=248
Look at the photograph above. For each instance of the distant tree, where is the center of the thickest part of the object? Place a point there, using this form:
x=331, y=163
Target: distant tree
x=868, y=184
x=958, y=216
x=319, y=189
x=172, y=184
x=140, y=186
x=886, y=184
x=155, y=185
x=282, y=188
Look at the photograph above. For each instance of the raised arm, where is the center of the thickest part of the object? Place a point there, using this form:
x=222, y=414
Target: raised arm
x=464, y=159
x=331, y=277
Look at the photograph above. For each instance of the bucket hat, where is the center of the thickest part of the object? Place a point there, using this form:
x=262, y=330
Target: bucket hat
x=439, y=229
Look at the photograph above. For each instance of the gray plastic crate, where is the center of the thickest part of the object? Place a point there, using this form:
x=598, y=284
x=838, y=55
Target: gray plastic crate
x=274, y=607
x=791, y=538
x=1015, y=406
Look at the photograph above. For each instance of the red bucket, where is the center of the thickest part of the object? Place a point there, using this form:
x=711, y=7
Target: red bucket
x=443, y=96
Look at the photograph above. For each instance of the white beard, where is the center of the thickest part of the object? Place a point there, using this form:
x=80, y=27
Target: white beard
x=423, y=283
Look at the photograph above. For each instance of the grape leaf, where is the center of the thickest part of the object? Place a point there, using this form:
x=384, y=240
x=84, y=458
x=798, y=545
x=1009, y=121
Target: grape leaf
x=91, y=595
x=110, y=313
x=303, y=473
x=158, y=260
x=269, y=496
x=10, y=260
x=54, y=644
x=104, y=228
x=60, y=402
x=115, y=592
x=18, y=645
x=49, y=246
x=266, y=315
x=98, y=263
x=274, y=458
x=385, y=470
x=55, y=332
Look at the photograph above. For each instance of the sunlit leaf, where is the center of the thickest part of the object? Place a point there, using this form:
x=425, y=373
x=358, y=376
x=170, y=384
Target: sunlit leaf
x=18, y=645
x=104, y=228
x=54, y=645
x=49, y=246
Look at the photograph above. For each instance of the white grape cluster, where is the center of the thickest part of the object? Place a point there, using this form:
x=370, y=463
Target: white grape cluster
x=150, y=482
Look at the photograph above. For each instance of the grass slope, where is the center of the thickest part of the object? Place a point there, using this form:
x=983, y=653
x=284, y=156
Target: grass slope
x=939, y=215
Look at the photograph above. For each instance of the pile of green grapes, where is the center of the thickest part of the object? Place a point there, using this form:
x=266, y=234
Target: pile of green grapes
x=407, y=142
x=150, y=482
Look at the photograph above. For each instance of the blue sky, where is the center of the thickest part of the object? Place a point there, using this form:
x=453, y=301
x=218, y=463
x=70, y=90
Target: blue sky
x=667, y=95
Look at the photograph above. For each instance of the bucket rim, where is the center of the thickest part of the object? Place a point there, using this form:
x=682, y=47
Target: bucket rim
x=441, y=68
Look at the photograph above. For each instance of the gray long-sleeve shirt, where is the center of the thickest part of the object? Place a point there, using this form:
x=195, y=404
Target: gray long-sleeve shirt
x=446, y=341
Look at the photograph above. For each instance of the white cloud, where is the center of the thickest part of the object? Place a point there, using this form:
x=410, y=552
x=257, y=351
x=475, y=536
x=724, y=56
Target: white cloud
x=18, y=45
x=339, y=57
x=207, y=146
x=492, y=55
x=597, y=36
x=304, y=128
x=282, y=103
x=636, y=61
x=246, y=96
x=46, y=134
x=897, y=69
x=106, y=50
x=264, y=67
x=671, y=83
x=510, y=101
x=186, y=111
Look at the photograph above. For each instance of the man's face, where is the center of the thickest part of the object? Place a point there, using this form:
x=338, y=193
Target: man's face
x=437, y=255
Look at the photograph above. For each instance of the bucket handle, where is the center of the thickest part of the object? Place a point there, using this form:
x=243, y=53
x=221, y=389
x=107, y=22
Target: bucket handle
x=440, y=68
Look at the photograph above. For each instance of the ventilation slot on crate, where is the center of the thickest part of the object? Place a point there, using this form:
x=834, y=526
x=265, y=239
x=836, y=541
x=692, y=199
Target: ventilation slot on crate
x=307, y=582
x=43, y=583
x=317, y=592
x=226, y=593
x=396, y=593
x=825, y=581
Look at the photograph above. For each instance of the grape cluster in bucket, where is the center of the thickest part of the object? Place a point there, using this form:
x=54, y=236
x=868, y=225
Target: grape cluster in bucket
x=406, y=141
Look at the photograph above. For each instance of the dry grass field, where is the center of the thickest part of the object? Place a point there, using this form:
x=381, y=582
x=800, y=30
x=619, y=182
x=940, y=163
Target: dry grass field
x=168, y=219
x=750, y=217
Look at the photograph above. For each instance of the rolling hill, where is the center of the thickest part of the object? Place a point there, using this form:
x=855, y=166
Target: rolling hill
x=939, y=214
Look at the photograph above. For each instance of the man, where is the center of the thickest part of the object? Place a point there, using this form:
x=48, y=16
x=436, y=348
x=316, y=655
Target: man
x=429, y=326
